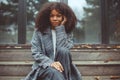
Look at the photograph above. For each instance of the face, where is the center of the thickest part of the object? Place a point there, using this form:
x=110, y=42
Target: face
x=55, y=18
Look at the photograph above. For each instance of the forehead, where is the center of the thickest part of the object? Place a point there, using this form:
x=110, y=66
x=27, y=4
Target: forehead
x=54, y=11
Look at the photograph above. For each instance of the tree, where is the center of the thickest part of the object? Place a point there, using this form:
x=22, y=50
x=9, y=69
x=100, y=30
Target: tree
x=92, y=19
x=9, y=18
x=114, y=20
x=9, y=11
x=33, y=6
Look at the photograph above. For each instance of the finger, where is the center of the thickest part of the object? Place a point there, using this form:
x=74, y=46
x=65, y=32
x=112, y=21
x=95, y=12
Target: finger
x=57, y=67
x=60, y=65
x=64, y=20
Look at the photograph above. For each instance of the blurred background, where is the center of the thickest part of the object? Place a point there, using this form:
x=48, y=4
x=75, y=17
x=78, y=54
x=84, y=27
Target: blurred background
x=98, y=20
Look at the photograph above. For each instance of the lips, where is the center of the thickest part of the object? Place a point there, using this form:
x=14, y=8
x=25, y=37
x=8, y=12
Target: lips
x=55, y=23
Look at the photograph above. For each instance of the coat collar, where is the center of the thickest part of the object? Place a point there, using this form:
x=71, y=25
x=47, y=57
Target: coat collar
x=48, y=44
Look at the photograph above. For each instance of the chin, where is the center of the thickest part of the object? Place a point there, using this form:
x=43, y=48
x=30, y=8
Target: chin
x=55, y=25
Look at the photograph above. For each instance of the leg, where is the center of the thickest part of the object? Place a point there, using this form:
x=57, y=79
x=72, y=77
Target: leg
x=51, y=74
x=63, y=55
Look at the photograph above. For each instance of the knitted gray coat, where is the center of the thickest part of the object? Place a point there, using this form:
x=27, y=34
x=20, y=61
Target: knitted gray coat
x=42, y=52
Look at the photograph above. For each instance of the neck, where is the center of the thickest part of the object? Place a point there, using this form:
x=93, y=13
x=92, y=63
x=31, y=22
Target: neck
x=53, y=28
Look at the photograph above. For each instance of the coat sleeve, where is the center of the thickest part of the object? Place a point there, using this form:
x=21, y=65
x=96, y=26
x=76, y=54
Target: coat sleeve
x=37, y=52
x=63, y=40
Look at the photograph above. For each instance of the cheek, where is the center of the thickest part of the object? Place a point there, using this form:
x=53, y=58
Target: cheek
x=60, y=19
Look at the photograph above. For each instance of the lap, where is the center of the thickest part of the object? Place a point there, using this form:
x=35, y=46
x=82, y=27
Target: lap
x=50, y=74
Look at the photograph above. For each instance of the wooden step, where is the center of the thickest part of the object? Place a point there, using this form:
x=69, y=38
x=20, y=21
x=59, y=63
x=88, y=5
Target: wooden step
x=87, y=68
x=79, y=63
x=98, y=55
x=15, y=54
x=83, y=77
x=83, y=54
x=94, y=64
x=11, y=77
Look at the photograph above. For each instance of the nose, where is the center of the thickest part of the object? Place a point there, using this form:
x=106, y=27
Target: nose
x=54, y=18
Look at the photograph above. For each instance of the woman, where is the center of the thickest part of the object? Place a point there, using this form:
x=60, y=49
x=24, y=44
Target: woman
x=51, y=44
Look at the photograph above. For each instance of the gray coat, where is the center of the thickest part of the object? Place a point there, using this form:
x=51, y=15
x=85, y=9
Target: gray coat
x=42, y=49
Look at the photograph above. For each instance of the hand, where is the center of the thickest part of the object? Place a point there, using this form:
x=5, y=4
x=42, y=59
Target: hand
x=57, y=65
x=64, y=20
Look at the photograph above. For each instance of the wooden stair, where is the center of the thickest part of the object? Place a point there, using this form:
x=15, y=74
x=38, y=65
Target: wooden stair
x=94, y=64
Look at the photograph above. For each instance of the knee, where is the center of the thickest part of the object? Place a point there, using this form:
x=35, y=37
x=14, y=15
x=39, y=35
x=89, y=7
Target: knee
x=52, y=74
x=55, y=74
x=52, y=71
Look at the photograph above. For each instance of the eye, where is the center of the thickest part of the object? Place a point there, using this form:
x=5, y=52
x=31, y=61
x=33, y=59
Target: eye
x=59, y=15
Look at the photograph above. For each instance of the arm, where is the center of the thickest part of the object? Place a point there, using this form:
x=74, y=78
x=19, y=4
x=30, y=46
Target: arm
x=37, y=51
x=63, y=39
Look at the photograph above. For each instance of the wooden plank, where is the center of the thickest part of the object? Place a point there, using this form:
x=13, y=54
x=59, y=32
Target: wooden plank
x=15, y=55
x=99, y=70
x=25, y=54
x=86, y=70
x=83, y=77
x=17, y=70
x=79, y=63
x=11, y=77
x=99, y=56
x=15, y=63
x=100, y=77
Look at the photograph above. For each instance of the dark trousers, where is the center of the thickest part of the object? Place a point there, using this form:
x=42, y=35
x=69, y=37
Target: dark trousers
x=63, y=56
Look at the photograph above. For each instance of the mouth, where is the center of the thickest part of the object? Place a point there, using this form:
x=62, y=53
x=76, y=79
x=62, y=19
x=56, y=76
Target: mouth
x=55, y=23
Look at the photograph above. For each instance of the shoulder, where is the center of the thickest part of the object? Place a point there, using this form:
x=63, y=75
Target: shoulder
x=37, y=32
